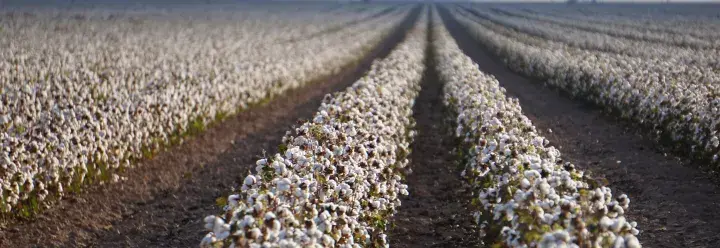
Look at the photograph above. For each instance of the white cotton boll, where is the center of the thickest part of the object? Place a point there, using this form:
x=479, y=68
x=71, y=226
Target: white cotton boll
x=279, y=168
x=255, y=233
x=318, y=119
x=532, y=174
x=545, y=188
x=606, y=222
x=208, y=240
x=233, y=200
x=328, y=241
x=258, y=206
x=224, y=233
x=619, y=242
x=562, y=236
x=217, y=226
x=209, y=222
x=4, y=119
x=537, y=141
x=275, y=225
x=549, y=218
x=375, y=204
x=261, y=162
x=247, y=221
x=505, y=180
x=301, y=194
x=283, y=184
x=570, y=184
x=632, y=242
x=548, y=240
x=270, y=216
x=618, y=224
x=520, y=196
x=249, y=180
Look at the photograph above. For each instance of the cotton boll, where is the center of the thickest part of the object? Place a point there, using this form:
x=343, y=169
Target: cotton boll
x=249, y=180
x=632, y=242
x=283, y=184
x=208, y=240
x=233, y=201
x=209, y=222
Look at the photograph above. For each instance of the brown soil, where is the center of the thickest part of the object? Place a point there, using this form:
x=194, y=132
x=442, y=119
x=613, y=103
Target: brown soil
x=436, y=213
x=164, y=200
x=675, y=203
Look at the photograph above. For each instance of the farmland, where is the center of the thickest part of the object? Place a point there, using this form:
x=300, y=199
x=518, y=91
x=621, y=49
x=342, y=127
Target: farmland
x=328, y=124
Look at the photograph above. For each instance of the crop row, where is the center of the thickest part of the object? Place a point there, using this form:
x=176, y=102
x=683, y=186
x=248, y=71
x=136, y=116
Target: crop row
x=337, y=178
x=527, y=195
x=88, y=104
x=678, y=101
x=695, y=21
x=593, y=41
x=616, y=30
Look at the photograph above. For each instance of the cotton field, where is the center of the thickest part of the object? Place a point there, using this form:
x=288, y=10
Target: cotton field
x=358, y=124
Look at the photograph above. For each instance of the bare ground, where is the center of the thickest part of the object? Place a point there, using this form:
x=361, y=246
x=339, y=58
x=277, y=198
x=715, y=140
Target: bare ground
x=164, y=200
x=436, y=213
x=675, y=203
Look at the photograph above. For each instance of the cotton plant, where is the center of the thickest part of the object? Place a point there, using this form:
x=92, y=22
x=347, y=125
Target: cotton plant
x=91, y=103
x=678, y=100
x=526, y=194
x=337, y=178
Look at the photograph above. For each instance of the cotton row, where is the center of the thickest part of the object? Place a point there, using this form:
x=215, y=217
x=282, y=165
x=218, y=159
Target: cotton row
x=676, y=100
x=589, y=40
x=527, y=196
x=618, y=30
x=74, y=112
x=337, y=178
x=694, y=20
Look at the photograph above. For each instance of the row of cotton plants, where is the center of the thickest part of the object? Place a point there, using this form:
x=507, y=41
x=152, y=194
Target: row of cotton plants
x=677, y=101
x=76, y=112
x=527, y=195
x=276, y=23
x=695, y=20
x=635, y=33
x=337, y=178
x=589, y=40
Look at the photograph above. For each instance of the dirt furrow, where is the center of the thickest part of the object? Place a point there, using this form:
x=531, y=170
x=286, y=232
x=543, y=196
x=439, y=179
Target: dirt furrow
x=436, y=213
x=164, y=200
x=674, y=203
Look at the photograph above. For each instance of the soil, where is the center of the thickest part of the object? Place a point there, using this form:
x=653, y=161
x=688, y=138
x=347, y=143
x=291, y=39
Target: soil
x=675, y=203
x=164, y=199
x=435, y=213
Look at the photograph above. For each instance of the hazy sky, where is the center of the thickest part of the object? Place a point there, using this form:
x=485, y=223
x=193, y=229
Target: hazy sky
x=226, y=1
